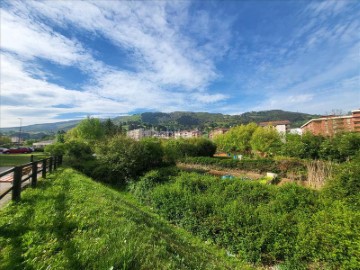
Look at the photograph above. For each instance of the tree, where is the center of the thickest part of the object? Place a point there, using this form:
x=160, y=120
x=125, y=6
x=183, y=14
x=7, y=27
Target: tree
x=110, y=129
x=56, y=149
x=237, y=139
x=294, y=146
x=312, y=145
x=88, y=130
x=341, y=147
x=123, y=159
x=349, y=145
x=266, y=140
x=4, y=140
x=60, y=136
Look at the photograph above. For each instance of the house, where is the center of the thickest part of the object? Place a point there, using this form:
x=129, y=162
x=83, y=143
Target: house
x=331, y=124
x=16, y=139
x=297, y=131
x=19, y=137
x=281, y=126
x=216, y=132
x=138, y=134
x=42, y=144
x=187, y=134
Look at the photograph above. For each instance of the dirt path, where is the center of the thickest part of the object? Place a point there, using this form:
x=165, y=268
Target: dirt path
x=237, y=173
x=218, y=172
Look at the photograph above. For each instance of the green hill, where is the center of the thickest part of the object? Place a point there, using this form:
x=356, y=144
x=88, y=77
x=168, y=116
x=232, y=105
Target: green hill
x=71, y=222
x=179, y=120
x=204, y=120
x=46, y=127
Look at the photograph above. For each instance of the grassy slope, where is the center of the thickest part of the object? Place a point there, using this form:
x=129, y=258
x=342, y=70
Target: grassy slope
x=71, y=222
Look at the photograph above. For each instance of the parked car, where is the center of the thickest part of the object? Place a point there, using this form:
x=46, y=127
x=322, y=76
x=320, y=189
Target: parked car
x=2, y=149
x=20, y=150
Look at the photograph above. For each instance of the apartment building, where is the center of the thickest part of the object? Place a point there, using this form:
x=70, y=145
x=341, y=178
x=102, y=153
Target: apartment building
x=332, y=124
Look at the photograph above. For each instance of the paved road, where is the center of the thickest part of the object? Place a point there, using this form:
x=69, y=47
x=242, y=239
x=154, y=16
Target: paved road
x=2, y=169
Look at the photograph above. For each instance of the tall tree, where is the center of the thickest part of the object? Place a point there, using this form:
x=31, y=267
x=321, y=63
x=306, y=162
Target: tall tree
x=110, y=129
x=266, y=140
x=88, y=130
x=237, y=139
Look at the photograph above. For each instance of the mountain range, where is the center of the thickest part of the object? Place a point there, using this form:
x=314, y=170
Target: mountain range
x=178, y=120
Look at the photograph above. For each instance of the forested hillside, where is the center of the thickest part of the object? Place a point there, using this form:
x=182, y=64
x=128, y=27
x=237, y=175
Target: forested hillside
x=204, y=120
x=179, y=120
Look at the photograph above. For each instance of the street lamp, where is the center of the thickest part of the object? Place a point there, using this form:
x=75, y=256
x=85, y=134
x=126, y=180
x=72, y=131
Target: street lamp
x=20, y=130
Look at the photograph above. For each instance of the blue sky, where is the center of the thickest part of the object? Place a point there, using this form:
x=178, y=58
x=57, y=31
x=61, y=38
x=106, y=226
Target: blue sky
x=64, y=60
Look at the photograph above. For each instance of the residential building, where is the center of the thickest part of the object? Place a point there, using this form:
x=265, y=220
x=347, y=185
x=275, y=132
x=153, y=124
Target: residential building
x=138, y=134
x=42, y=144
x=332, y=124
x=281, y=126
x=187, y=134
x=297, y=131
x=216, y=132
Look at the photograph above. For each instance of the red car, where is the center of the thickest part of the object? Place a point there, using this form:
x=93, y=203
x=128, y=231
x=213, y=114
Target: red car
x=21, y=150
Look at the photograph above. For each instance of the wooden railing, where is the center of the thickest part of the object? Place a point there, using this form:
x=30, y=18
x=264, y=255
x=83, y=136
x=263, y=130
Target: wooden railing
x=28, y=172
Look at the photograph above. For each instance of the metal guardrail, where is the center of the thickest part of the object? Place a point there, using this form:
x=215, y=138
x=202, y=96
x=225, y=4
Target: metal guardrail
x=29, y=171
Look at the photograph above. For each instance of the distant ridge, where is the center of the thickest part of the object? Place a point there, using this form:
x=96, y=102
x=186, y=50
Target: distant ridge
x=46, y=127
x=180, y=120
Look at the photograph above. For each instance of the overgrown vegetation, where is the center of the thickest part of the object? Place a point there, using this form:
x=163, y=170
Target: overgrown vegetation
x=71, y=222
x=290, y=168
x=266, y=142
x=289, y=226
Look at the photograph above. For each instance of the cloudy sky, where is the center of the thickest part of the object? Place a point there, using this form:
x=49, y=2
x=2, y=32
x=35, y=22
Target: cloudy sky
x=64, y=60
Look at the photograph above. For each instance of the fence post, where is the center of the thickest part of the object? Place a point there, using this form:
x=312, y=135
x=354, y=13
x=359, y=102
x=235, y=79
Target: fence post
x=17, y=184
x=44, y=168
x=34, y=174
x=55, y=162
x=51, y=165
x=32, y=158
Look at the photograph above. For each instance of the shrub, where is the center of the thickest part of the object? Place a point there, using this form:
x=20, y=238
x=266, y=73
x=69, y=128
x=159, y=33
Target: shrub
x=179, y=148
x=293, y=168
x=123, y=159
x=152, y=153
x=56, y=149
x=142, y=188
x=345, y=184
x=290, y=226
x=78, y=151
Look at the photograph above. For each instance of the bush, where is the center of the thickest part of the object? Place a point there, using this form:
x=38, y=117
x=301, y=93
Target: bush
x=293, y=168
x=345, y=184
x=56, y=149
x=123, y=159
x=142, y=189
x=291, y=226
x=152, y=153
x=78, y=151
x=179, y=148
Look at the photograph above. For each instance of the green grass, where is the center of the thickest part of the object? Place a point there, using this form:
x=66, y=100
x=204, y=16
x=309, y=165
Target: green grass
x=72, y=222
x=18, y=159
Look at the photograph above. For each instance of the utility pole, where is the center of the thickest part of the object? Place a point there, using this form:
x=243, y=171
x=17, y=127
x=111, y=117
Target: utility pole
x=20, y=130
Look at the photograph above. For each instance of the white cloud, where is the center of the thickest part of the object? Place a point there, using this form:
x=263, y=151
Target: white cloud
x=169, y=57
x=206, y=98
x=168, y=64
x=28, y=40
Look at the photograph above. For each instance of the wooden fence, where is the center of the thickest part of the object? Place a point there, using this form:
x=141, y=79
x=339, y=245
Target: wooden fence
x=28, y=172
